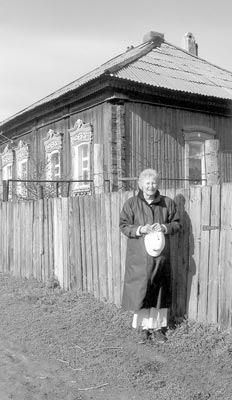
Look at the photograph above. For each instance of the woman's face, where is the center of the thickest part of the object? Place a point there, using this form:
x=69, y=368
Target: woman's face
x=150, y=186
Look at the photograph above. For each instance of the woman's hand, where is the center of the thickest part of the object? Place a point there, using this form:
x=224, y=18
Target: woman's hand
x=157, y=227
x=150, y=228
x=146, y=229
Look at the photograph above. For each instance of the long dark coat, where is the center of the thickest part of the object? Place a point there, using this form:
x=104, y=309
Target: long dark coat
x=147, y=278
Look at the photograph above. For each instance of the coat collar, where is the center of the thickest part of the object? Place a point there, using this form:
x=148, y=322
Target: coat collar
x=156, y=198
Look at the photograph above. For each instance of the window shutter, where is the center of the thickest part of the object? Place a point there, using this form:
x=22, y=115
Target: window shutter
x=211, y=161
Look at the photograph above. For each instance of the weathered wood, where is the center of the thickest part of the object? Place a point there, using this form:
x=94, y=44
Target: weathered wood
x=194, y=251
x=123, y=238
x=181, y=277
x=109, y=246
x=225, y=256
x=57, y=234
x=93, y=240
x=65, y=241
x=50, y=239
x=75, y=244
x=103, y=240
x=83, y=243
x=88, y=244
x=115, y=203
x=213, y=284
x=204, y=258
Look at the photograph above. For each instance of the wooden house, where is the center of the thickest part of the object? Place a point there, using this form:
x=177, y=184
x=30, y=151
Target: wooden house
x=156, y=105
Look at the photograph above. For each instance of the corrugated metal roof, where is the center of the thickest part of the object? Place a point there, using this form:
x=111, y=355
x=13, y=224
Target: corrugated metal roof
x=172, y=68
x=166, y=66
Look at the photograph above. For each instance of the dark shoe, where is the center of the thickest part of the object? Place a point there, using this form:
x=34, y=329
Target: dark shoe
x=158, y=337
x=144, y=336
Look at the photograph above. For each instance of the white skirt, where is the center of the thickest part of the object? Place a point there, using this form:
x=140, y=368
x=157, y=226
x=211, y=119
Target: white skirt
x=150, y=318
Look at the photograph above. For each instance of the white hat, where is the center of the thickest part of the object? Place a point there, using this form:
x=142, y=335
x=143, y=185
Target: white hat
x=154, y=243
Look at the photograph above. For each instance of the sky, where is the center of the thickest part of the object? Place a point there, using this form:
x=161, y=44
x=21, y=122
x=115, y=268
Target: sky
x=47, y=44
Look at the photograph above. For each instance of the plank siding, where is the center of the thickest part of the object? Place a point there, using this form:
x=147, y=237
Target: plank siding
x=164, y=126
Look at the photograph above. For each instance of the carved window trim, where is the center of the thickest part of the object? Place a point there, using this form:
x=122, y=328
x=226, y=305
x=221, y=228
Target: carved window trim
x=81, y=134
x=53, y=144
x=21, y=158
x=7, y=166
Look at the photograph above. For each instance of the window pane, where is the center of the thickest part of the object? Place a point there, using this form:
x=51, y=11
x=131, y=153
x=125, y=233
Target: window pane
x=195, y=172
x=85, y=150
x=55, y=158
x=195, y=150
x=85, y=174
x=196, y=160
x=85, y=164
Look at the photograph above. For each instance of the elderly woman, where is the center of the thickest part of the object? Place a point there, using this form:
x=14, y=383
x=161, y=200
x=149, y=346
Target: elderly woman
x=147, y=283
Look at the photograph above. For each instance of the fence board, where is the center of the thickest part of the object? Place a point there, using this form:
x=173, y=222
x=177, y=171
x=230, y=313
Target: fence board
x=93, y=243
x=123, y=244
x=204, y=259
x=40, y=269
x=75, y=244
x=225, y=256
x=45, y=241
x=50, y=239
x=58, y=234
x=9, y=236
x=109, y=245
x=102, y=239
x=88, y=247
x=83, y=242
x=116, y=248
x=182, y=201
x=65, y=242
x=195, y=240
x=212, y=311
x=4, y=237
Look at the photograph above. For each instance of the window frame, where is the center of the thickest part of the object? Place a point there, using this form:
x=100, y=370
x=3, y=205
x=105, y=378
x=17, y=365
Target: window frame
x=51, y=167
x=78, y=170
x=196, y=134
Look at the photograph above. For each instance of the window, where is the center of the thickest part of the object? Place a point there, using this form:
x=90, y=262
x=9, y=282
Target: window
x=195, y=155
x=81, y=141
x=81, y=164
x=22, y=156
x=55, y=165
x=53, y=145
x=7, y=166
x=196, y=159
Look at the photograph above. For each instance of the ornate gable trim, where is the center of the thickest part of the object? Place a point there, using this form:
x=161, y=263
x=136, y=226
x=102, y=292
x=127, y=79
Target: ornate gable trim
x=53, y=141
x=81, y=132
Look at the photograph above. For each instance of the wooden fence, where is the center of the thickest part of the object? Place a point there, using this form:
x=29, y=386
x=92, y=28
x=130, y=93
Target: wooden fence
x=78, y=240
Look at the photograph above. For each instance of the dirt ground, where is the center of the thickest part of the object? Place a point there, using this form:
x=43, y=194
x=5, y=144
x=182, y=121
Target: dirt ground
x=56, y=345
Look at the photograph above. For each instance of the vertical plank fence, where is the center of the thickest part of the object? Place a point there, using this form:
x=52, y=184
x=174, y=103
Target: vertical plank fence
x=77, y=240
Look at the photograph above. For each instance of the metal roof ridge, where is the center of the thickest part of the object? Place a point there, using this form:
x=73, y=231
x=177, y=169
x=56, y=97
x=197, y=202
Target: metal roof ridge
x=142, y=50
x=197, y=57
